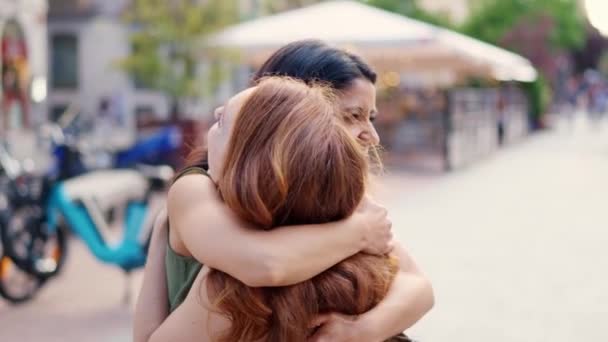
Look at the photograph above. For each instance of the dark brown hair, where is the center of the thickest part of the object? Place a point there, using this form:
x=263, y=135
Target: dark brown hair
x=312, y=60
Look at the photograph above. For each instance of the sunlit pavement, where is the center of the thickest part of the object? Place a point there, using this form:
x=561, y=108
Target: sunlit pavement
x=515, y=246
x=83, y=304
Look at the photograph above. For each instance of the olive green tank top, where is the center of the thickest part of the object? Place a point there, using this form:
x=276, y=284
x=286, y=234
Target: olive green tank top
x=181, y=270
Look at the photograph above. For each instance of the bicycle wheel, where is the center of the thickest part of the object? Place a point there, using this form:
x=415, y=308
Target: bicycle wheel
x=27, y=242
x=16, y=285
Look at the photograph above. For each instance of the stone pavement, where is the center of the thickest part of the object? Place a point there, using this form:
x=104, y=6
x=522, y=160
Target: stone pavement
x=84, y=304
x=516, y=246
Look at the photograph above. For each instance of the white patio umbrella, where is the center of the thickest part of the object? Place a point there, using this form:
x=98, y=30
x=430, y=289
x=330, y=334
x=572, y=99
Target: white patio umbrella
x=401, y=42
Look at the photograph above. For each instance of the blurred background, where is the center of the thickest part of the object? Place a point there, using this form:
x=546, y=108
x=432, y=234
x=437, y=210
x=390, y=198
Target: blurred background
x=493, y=117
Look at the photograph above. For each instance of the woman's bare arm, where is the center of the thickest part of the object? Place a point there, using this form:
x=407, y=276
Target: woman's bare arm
x=409, y=298
x=212, y=234
x=152, y=303
x=192, y=321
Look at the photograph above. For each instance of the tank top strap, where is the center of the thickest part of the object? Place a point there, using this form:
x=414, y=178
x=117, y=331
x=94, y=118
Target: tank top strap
x=195, y=169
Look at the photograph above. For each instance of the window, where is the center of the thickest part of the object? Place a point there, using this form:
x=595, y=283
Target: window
x=64, y=61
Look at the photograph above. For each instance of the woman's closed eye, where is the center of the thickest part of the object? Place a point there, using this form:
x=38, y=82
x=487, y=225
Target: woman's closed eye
x=356, y=115
x=373, y=115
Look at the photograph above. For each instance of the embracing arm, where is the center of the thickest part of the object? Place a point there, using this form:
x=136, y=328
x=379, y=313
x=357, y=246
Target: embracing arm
x=193, y=320
x=409, y=298
x=152, y=302
x=284, y=256
x=407, y=301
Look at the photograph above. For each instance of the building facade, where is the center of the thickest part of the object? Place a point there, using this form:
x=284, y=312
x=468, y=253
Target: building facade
x=86, y=40
x=23, y=56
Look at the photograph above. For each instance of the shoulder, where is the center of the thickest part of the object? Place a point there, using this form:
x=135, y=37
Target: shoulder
x=198, y=309
x=190, y=196
x=191, y=188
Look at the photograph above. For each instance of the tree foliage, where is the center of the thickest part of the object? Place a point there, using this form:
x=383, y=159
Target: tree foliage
x=491, y=20
x=166, y=41
x=274, y=6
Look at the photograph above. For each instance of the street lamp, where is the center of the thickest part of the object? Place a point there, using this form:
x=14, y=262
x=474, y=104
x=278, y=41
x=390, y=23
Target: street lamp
x=596, y=12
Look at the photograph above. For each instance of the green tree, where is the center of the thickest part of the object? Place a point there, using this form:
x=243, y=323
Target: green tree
x=166, y=44
x=491, y=20
x=540, y=30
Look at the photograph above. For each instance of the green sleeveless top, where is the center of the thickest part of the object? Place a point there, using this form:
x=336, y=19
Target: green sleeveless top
x=181, y=270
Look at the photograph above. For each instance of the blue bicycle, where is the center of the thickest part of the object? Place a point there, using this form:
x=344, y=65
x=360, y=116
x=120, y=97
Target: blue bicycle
x=69, y=199
x=16, y=286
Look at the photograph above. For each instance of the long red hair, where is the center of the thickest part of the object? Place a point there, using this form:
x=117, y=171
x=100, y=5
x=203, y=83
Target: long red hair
x=290, y=160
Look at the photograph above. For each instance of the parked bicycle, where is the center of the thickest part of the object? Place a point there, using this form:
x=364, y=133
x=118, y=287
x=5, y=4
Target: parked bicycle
x=67, y=198
x=16, y=285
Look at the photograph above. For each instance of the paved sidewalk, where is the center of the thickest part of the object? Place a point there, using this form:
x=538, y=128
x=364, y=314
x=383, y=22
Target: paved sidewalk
x=516, y=246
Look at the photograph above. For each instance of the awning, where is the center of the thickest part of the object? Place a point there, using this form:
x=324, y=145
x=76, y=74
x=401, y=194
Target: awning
x=376, y=34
